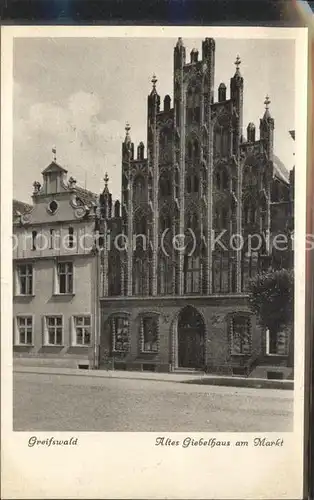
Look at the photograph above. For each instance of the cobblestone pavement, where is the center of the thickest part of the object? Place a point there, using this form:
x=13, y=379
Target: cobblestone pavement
x=43, y=402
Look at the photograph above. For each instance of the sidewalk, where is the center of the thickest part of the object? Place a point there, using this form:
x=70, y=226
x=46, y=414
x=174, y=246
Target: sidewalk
x=186, y=378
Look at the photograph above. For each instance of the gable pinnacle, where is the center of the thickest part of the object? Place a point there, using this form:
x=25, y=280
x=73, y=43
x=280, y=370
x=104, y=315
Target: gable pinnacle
x=154, y=81
x=106, y=179
x=237, y=64
x=267, y=102
x=54, y=153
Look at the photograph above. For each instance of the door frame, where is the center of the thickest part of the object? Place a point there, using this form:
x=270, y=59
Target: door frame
x=175, y=337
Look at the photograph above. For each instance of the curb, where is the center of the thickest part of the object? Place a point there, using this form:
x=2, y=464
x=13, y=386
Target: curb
x=252, y=383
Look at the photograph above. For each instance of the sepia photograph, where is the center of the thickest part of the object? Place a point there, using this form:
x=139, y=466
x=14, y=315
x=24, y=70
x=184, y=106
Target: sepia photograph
x=153, y=265
x=153, y=223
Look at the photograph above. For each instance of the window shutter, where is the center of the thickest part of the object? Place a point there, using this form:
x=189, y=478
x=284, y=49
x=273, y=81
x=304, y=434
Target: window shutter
x=33, y=279
x=72, y=333
x=55, y=277
x=43, y=326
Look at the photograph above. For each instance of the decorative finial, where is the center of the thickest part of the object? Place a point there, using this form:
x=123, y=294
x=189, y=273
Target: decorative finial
x=237, y=63
x=54, y=153
x=154, y=81
x=127, y=128
x=106, y=179
x=36, y=186
x=267, y=102
x=72, y=182
x=179, y=42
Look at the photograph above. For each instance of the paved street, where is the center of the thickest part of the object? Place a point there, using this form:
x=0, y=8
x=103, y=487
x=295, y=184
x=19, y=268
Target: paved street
x=45, y=402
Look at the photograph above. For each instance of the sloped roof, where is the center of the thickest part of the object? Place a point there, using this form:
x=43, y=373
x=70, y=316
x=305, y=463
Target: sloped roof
x=280, y=170
x=54, y=167
x=21, y=206
x=84, y=195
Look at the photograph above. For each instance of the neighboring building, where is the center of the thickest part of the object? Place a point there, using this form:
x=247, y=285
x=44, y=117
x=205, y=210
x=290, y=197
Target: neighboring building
x=163, y=309
x=55, y=274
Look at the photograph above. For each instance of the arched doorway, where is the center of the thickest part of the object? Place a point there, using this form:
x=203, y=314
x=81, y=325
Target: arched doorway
x=191, y=339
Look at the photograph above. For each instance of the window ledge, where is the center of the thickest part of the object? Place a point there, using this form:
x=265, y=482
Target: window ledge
x=120, y=352
x=63, y=294
x=53, y=345
x=26, y=296
x=240, y=354
x=149, y=352
x=86, y=346
x=23, y=345
x=277, y=355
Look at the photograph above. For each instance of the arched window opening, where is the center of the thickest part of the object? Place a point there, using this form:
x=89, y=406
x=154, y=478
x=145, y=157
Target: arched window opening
x=221, y=141
x=114, y=274
x=164, y=185
x=139, y=188
x=221, y=179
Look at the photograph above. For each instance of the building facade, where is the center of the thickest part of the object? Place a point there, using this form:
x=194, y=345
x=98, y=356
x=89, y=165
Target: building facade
x=197, y=219
x=55, y=274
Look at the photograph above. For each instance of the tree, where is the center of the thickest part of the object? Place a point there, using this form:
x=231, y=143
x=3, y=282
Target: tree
x=271, y=297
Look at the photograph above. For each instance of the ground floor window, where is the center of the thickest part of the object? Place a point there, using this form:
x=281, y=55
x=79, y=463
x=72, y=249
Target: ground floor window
x=82, y=330
x=120, y=334
x=53, y=330
x=24, y=330
x=149, y=334
x=276, y=343
x=240, y=335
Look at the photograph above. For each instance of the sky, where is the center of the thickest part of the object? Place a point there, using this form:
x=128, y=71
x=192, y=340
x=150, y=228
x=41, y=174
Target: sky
x=78, y=93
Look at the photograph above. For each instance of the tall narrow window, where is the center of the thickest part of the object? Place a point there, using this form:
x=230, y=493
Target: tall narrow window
x=82, y=330
x=149, y=334
x=71, y=237
x=138, y=188
x=220, y=273
x=139, y=275
x=240, y=335
x=165, y=279
x=25, y=279
x=53, y=330
x=65, y=277
x=225, y=142
x=51, y=245
x=34, y=237
x=276, y=343
x=120, y=334
x=24, y=330
x=114, y=273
